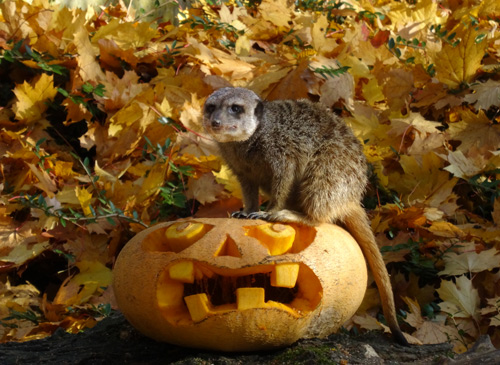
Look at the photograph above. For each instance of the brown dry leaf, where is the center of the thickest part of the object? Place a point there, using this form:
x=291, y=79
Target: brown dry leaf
x=11, y=235
x=337, y=89
x=463, y=166
x=112, y=55
x=470, y=262
x=460, y=299
x=413, y=316
x=368, y=322
x=45, y=182
x=428, y=332
x=486, y=95
x=431, y=332
x=475, y=130
x=292, y=86
x=496, y=212
x=459, y=64
x=204, y=189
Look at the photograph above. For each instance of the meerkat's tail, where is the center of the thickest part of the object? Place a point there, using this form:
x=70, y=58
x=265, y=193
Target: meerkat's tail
x=357, y=225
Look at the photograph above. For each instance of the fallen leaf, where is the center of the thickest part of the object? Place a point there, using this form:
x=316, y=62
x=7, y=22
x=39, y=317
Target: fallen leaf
x=32, y=98
x=470, y=262
x=459, y=64
x=460, y=298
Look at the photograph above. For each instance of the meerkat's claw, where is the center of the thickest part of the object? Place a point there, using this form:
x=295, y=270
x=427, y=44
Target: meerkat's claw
x=239, y=214
x=258, y=215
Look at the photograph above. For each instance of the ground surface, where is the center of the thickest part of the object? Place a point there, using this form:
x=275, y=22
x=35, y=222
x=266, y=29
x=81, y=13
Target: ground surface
x=114, y=341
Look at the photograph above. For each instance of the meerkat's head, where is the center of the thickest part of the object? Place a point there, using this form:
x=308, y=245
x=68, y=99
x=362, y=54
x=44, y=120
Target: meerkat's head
x=232, y=114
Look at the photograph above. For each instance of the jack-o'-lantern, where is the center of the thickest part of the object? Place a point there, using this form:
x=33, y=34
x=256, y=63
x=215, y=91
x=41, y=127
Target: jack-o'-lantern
x=239, y=285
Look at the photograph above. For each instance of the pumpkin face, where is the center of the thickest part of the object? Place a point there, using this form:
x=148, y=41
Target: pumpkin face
x=239, y=285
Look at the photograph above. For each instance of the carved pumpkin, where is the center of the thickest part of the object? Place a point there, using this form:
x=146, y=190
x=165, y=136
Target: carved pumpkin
x=239, y=285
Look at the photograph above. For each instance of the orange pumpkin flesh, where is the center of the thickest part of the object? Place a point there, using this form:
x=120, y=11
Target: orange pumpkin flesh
x=239, y=285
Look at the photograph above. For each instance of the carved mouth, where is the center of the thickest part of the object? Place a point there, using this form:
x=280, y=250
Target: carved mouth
x=190, y=291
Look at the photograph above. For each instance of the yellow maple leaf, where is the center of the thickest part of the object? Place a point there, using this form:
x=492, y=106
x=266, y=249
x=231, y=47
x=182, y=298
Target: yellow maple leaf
x=84, y=197
x=228, y=179
x=126, y=35
x=459, y=64
x=422, y=178
x=24, y=252
x=152, y=182
x=92, y=277
x=408, y=20
x=90, y=70
x=120, y=90
x=446, y=229
x=320, y=42
x=276, y=11
x=460, y=298
x=32, y=98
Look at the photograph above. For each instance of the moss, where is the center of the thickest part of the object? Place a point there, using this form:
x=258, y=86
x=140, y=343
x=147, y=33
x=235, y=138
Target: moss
x=309, y=354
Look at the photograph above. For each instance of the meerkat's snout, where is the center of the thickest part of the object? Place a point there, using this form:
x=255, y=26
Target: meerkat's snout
x=215, y=124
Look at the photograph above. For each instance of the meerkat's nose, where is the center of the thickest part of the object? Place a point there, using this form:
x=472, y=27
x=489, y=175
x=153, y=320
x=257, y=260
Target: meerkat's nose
x=216, y=124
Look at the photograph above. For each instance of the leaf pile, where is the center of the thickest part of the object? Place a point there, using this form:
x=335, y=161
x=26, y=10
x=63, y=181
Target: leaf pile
x=100, y=137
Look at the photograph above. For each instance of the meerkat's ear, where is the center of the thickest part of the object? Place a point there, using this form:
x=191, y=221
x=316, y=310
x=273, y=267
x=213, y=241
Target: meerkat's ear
x=259, y=109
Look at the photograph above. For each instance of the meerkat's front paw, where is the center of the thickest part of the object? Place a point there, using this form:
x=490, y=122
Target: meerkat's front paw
x=258, y=215
x=239, y=214
x=253, y=215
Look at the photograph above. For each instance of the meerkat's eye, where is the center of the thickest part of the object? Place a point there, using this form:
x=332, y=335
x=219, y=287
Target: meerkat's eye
x=209, y=108
x=235, y=109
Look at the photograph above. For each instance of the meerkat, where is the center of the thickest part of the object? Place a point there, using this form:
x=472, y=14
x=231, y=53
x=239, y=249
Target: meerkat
x=306, y=160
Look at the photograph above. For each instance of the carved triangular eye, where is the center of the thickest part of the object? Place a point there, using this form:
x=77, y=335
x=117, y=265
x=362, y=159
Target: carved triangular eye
x=228, y=248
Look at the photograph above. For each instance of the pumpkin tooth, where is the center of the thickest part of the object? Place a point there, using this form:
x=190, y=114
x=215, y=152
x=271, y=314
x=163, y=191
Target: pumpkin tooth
x=285, y=275
x=248, y=298
x=199, y=306
x=182, y=271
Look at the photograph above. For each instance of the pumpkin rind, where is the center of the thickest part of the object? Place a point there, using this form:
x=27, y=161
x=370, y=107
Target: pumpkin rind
x=151, y=280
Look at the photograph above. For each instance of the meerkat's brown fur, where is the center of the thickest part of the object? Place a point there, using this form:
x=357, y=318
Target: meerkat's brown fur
x=306, y=160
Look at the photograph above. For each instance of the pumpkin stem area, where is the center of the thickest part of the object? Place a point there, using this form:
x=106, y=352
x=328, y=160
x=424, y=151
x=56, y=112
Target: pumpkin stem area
x=189, y=291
